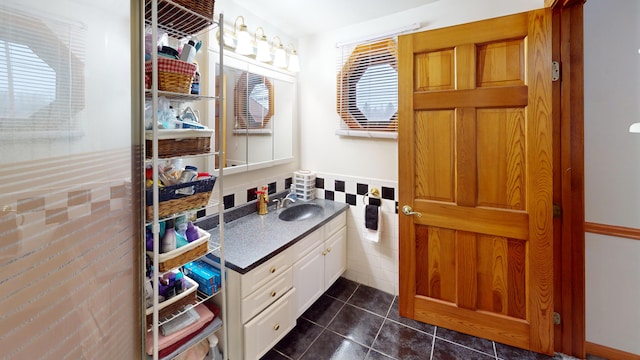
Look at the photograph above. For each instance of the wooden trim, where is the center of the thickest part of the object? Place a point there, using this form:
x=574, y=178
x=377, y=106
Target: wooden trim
x=609, y=353
x=612, y=230
x=568, y=109
x=563, y=3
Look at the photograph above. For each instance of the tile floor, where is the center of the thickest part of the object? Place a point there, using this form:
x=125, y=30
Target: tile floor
x=354, y=321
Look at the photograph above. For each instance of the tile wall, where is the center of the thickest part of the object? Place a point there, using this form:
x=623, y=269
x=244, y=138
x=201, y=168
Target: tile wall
x=370, y=263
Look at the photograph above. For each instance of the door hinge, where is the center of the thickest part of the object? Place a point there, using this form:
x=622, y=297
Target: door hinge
x=556, y=318
x=555, y=71
x=557, y=210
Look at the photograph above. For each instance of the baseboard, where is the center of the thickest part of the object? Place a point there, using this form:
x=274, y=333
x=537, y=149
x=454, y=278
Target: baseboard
x=609, y=353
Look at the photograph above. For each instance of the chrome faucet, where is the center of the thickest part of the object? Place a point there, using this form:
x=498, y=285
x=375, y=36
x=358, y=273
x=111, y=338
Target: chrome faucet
x=284, y=201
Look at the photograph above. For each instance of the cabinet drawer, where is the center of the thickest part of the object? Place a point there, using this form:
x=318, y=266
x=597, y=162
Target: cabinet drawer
x=302, y=247
x=266, y=329
x=253, y=304
x=335, y=224
x=264, y=273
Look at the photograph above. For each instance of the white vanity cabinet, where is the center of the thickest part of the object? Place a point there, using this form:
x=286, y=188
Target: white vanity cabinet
x=261, y=311
x=319, y=259
x=264, y=303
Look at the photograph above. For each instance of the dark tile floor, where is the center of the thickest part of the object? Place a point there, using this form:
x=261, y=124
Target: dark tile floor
x=354, y=321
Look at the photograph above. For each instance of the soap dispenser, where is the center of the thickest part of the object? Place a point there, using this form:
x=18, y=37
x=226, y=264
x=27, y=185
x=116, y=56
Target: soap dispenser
x=263, y=200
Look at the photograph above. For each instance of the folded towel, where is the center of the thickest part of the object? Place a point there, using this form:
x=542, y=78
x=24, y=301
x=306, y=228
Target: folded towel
x=373, y=223
x=371, y=217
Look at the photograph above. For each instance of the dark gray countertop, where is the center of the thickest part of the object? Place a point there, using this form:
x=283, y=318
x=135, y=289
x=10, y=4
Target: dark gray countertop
x=253, y=239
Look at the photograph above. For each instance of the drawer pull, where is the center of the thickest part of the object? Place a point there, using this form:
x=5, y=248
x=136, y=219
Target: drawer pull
x=276, y=327
x=272, y=270
x=273, y=293
x=329, y=249
x=324, y=253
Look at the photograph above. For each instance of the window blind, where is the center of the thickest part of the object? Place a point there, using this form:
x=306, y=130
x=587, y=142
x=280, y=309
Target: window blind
x=41, y=72
x=367, y=86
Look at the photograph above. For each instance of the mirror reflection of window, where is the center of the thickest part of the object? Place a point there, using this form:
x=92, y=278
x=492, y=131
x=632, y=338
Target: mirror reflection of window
x=41, y=75
x=259, y=103
x=253, y=101
x=20, y=97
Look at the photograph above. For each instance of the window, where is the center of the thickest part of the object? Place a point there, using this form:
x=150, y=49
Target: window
x=367, y=87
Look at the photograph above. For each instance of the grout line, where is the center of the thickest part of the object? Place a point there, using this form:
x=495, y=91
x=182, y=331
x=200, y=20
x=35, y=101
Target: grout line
x=466, y=347
x=495, y=351
x=412, y=328
x=433, y=342
x=326, y=327
x=282, y=354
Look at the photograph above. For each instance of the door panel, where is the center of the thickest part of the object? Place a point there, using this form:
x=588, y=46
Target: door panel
x=475, y=145
x=501, y=158
x=435, y=155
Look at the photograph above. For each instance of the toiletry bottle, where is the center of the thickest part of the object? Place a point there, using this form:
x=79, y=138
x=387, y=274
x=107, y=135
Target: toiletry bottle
x=192, y=232
x=189, y=174
x=188, y=52
x=263, y=200
x=181, y=225
x=195, y=83
x=169, y=238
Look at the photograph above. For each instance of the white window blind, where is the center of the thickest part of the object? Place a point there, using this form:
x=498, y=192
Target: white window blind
x=367, y=88
x=41, y=74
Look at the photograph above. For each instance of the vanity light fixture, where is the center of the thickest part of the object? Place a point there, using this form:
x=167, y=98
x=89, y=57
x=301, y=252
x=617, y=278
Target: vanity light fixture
x=280, y=56
x=294, y=61
x=635, y=128
x=263, y=52
x=243, y=38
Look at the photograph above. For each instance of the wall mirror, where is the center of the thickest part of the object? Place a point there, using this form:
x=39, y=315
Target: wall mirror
x=257, y=114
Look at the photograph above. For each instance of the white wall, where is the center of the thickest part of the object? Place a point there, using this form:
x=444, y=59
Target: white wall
x=369, y=161
x=612, y=171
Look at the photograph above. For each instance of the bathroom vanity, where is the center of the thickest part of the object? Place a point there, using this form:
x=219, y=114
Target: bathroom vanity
x=276, y=270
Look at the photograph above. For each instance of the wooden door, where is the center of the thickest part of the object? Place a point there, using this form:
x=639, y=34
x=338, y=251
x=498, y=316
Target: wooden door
x=475, y=166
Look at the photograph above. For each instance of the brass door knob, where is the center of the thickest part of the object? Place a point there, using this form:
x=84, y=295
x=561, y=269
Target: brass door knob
x=408, y=210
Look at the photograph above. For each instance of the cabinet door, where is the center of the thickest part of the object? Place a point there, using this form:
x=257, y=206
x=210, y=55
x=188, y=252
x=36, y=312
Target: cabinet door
x=335, y=260
x=266, y=329
x=308, y=279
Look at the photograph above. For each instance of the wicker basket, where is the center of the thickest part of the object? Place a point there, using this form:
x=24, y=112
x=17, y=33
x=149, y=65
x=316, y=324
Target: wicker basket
x=202, y=7
x=176, y=303
x=179, y=142
x=173, y=17
x=184, y=254
x=173, y=75
x=171, y=202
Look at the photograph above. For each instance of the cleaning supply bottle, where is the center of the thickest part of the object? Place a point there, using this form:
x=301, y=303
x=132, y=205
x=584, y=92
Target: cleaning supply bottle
x=214, y=350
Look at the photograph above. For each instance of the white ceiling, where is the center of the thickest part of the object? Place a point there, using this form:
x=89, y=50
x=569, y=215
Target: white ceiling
x=312, y=16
